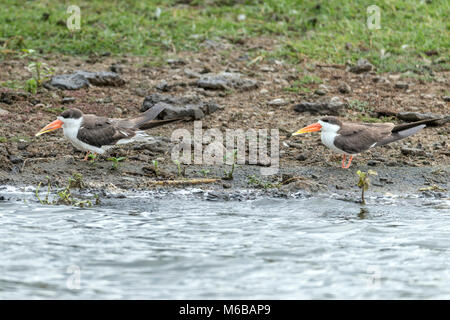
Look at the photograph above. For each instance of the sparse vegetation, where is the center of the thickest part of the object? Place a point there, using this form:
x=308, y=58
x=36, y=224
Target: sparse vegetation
x=179, y=171
x=155, y=165
x=115, y=162
x=364, y=182
x=257, y=182
x=204, y=172
x=40, y=72
x=64, y=196
x=229, y=174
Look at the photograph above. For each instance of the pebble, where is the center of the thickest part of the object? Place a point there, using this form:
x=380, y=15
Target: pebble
x=344, y=88
x=412, y=151
x=67, y=100
x=301, y=157
x=401, y=85
x=320, y=92
x=277, y=102
x=362, y=66
x=332, y=107
x=117, y=68
x=226, y=80
x=15, y=159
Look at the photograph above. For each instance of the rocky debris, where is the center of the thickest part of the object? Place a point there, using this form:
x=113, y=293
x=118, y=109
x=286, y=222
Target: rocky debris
x=344, y=88
x=416, y=116
x=446, y=98
x=116, y=68
x=277, y=102
x=300, y=183
x=301, y=157
x=176, y=62
x=320, y=92
x=80, y=79
x=68, y=100
x=68, y=82
x=226, y=81
x=384, y=113
x=401, y=85
x=361, y=66
x=412, y=151
x=10, y=97
x=211, y=44
x=164, y=86
x=3, y=112
x=15, y=159
x=180, y=107
x=154, y=145
x=372, y=163
x=103, y=78
x=191, y=74
x=334, y=106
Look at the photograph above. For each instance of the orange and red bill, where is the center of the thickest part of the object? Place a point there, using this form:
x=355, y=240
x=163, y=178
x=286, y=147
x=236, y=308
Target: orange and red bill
x=50, y=127
x=311, y=128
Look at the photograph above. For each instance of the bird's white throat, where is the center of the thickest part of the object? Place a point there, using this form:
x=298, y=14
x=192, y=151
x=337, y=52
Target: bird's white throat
x=71, y=127
x=328, y=134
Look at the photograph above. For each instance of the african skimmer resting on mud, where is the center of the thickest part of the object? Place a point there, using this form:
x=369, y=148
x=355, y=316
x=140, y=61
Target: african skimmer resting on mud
x=91, y=133
x=350, y=138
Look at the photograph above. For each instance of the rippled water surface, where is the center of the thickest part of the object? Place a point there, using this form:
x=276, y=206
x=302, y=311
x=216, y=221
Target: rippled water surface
x=180, y=246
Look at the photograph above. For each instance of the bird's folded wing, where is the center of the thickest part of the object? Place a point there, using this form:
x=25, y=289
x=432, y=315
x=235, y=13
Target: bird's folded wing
x=100, y=132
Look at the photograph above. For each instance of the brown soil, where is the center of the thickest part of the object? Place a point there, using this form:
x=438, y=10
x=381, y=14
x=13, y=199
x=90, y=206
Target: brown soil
x=48, y=154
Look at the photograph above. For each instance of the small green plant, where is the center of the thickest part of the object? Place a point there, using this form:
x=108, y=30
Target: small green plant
x=115, y=162
x=309, y=79
x=76, y=181
x=204, y=172
x=93, y=157
x=253, y=180
x=180, y=172
x=155, y=164
x=364, y=182
x=229, y=174
x=65, y=196
x=361, y=106
x=31, y=85
x=40, y=72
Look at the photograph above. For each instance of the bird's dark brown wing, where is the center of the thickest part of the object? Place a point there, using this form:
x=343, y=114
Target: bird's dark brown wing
x=99, y=131
x=356, y=138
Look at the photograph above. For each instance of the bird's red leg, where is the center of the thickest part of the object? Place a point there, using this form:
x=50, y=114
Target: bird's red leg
x=343, y=161
x=86, y=157
x=349, y=162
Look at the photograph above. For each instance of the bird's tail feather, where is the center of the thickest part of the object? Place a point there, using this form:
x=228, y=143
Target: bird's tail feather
x=156, y=123
x=400, y=134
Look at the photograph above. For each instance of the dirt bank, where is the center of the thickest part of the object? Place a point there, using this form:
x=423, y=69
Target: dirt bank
x=368, y=96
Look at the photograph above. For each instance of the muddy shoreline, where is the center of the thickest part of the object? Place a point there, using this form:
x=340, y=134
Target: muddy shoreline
x=100, y=178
